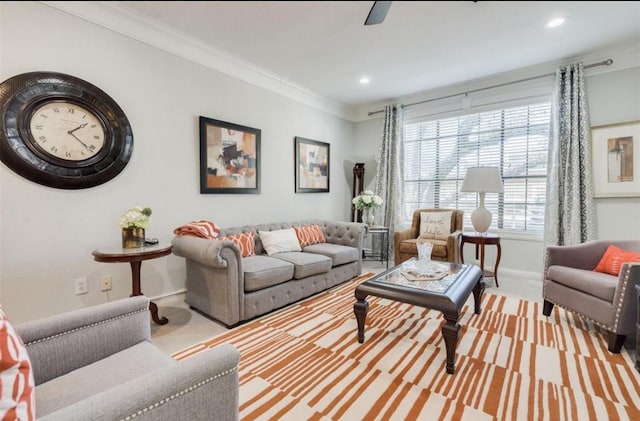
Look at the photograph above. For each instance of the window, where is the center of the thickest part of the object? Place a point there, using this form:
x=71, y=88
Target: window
x=438, y=153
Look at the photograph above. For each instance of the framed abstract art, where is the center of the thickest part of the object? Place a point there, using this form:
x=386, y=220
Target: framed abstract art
x=311, y=166
x=616, y=159
x=229, y=157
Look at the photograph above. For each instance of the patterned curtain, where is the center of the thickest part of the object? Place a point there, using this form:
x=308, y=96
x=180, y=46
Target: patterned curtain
x=390, y=170
x=569, y=212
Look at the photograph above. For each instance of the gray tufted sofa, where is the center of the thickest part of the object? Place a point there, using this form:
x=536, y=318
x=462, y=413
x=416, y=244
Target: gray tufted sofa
x=232, y=289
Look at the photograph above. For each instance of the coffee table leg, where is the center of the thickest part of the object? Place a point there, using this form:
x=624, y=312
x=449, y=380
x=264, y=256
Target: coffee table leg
x=478, y=290
x=450, y=333
x=360, y=309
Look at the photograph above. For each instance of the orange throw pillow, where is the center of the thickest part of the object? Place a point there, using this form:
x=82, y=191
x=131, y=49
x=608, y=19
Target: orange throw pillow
x=244, y=241
x=310, y=234
x=613, y=258
x=17, y=399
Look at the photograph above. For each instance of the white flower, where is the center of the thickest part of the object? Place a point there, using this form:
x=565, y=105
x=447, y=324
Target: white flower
x=137, y=217
x=366, y=200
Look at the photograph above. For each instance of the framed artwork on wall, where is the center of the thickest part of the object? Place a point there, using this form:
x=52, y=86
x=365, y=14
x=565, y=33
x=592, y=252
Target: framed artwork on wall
x=229, y=157
x=616, y=159
x=311, y=166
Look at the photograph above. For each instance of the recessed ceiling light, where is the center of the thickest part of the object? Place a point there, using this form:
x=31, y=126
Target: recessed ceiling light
x=364, y=80
x=556, y=22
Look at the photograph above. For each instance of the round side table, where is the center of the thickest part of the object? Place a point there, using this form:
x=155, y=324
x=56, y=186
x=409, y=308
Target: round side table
x=135, y=257
x=480, y=240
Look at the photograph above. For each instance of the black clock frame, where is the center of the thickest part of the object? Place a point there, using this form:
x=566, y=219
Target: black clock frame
x=21, y=95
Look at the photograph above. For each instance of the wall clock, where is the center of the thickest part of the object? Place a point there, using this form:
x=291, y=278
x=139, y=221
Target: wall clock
x=61, y=131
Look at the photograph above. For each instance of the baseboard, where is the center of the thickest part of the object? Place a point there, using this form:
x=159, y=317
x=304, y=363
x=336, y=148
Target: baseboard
x=520, y=274
x=170, y=294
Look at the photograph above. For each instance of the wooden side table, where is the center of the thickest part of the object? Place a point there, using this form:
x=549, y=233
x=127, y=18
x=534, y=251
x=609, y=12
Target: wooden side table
x=135, y=257
x=480, y=240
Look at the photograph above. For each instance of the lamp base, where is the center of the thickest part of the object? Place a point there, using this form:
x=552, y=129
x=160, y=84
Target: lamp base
x=481, y=217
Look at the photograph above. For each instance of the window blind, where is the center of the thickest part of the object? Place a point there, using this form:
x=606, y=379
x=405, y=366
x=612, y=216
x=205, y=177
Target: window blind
x=438, y=153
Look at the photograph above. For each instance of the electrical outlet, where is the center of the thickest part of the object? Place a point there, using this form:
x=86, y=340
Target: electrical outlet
x=82, y=287
x=105, y=281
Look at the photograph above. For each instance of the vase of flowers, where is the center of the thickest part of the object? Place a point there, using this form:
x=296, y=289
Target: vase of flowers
x=133, y=223
x=367, y=202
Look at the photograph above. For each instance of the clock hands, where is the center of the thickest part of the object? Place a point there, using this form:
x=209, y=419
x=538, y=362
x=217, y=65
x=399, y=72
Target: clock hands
x=76, y=137
x=79, y=127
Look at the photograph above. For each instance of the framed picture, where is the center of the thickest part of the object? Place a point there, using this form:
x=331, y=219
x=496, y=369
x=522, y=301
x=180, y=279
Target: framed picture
x=229, y=157
x=312, y=166
x=616, y=159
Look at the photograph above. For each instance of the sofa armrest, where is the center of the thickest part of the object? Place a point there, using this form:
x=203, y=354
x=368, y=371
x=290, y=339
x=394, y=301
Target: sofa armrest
x=201, y=250
x=582, y=256
x=625, y=300
x=453, y=246
x=62, y=343
x=214, y=277
x=202, y=387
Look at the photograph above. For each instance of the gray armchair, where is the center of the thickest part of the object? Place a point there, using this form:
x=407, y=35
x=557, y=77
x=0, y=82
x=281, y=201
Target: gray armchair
x=99, y=363
x=607, y=300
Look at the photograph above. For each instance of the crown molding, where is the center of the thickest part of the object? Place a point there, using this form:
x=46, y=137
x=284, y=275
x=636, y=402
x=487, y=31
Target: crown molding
x=624, y=57
x=136, y=26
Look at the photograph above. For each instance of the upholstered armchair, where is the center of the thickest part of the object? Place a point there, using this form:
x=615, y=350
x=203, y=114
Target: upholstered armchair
x=99, y=363
x=607, y=300
x=445, y=248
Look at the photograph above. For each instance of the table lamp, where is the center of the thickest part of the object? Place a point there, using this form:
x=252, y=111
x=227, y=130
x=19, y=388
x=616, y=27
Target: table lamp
x=482, y=180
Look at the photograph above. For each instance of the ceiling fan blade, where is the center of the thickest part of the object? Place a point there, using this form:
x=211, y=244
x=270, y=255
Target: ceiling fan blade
x=378, y=12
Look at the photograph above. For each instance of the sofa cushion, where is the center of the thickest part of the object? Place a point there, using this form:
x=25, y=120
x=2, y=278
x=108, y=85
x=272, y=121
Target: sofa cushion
x=339, y=254
x=613, y=258
x=245, y=242
x=17, y=401
x=306, y=264
x=279, y=241
x=263, y=271
x=310, y=234
x=597, y=284
x=102, y=375
x=410, y=247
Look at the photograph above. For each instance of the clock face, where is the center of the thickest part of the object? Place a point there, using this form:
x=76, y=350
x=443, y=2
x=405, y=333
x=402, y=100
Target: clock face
x=67, y=131
x=61, y=131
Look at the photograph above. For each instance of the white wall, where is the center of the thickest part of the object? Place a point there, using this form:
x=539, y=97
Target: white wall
x=614, y=96
x=47, y=235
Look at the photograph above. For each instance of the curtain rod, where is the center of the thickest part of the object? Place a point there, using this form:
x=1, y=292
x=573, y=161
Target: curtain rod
x=607, y=62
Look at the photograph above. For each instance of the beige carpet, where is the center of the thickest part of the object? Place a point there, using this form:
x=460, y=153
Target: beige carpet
x=305, y=363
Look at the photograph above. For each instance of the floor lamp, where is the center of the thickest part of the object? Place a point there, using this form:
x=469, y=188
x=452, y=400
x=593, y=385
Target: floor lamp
x=482, y=180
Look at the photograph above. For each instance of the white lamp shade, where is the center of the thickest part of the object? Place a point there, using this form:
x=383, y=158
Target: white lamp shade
x=483, y=179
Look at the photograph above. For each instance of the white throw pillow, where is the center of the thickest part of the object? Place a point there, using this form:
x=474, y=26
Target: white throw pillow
x=279, y=241
x=435, y=225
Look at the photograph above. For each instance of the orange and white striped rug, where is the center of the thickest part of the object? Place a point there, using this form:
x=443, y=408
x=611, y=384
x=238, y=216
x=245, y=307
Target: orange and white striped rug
x=305, y=363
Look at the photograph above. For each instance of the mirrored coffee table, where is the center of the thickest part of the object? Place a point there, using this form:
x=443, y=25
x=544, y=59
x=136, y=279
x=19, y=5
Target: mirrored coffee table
x=447, y=295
